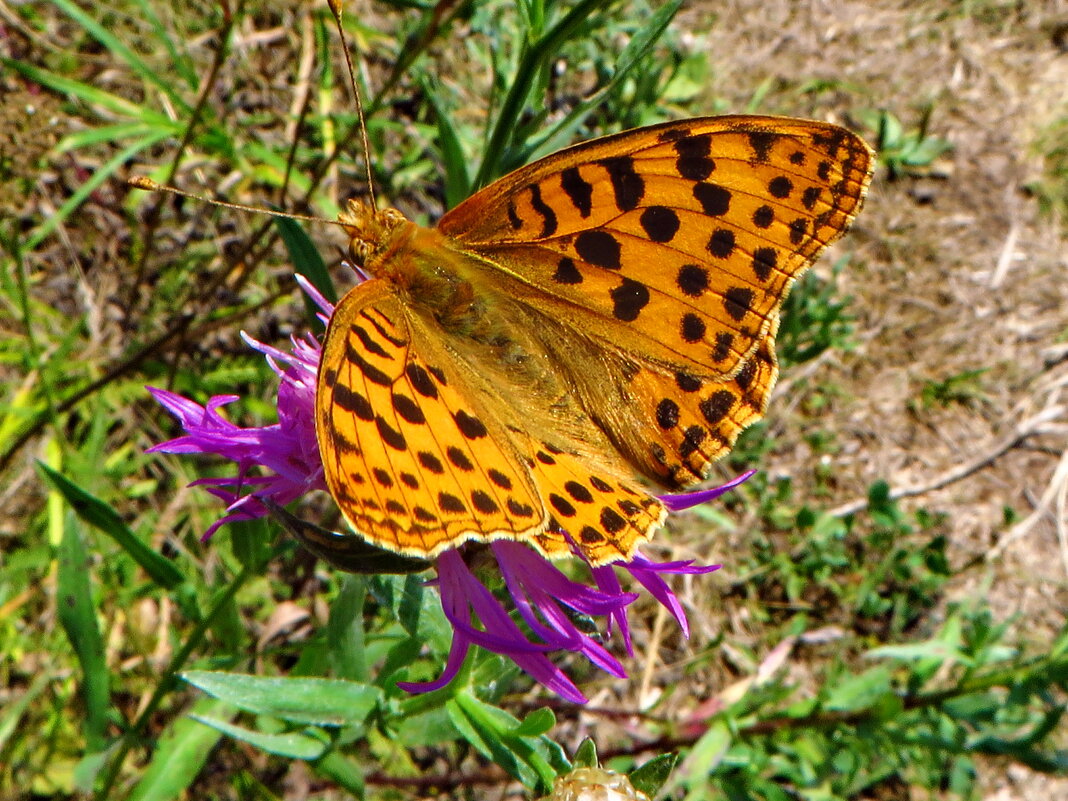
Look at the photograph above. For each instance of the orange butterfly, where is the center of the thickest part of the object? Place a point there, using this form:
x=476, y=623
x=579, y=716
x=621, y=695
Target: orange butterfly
x=594, y=323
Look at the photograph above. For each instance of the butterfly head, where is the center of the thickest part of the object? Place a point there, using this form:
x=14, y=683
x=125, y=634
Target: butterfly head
x=369, y=228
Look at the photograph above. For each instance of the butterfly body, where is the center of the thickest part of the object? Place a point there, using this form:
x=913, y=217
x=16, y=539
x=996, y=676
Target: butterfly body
x=597, y=322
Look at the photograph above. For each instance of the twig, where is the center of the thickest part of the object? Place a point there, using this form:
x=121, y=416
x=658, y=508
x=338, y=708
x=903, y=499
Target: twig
x=1008, y=252
x=1027, y=429
x=1056, y=489
x=1016, y=675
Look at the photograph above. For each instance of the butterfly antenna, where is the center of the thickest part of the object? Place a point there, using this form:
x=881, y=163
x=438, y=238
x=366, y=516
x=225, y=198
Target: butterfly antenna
x=142, y=182
x=336, y=10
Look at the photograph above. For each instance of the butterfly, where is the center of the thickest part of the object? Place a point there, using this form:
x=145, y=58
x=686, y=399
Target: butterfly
x=593, y=327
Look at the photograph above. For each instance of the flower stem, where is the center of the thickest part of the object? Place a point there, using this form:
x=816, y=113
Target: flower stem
x=166, y=683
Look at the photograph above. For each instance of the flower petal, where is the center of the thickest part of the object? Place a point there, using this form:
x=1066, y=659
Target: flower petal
x=686, y=500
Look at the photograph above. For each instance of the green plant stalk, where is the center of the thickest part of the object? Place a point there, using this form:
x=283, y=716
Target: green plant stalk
x=196, y=637
x=1006, y=677
x=517, y=95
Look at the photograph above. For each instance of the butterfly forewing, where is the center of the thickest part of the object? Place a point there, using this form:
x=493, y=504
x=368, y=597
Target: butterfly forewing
x=411, y=454
x=682, y=239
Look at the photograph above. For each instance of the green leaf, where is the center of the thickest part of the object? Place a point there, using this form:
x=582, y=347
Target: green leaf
x=179, y=755
x=309, y=744
x=324, y=702
x=307, y=262
x=480, y=733
x=705, y=755
x=586, y=755
x=342, y=771
x=77, y=615
x=495, y=734
x=251, y=543
x=536, y=723
x=852, y=693
x=931, y=649
x=651, y=777
x=345, y=629
x=102, y=517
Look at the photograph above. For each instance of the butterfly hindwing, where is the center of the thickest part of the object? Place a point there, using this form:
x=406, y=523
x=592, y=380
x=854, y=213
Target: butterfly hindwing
x=605, y=515
x=418, y=459
x=682, y=423
x=681, y=239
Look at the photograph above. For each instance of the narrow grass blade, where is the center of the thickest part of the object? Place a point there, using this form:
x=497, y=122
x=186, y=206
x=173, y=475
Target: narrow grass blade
x=637, y=48
x=119, y=49
x=90, y=94
x=180, y=754
x=96, y=179
x=179, y=61
x=457, y=179
x=13, y=711
x=534, y=60
x=102, y=517
x=307, y=261
x=77, y=615
x=111, y=134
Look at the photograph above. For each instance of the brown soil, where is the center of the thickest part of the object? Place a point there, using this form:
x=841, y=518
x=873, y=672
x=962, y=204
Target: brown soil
x=953, y=271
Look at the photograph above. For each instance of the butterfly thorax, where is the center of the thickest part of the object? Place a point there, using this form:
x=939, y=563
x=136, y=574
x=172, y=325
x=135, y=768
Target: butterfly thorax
x=431, y=276
x=445, y=286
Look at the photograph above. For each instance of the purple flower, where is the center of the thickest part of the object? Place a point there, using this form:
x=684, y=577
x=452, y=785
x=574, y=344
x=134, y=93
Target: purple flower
x=280, y=463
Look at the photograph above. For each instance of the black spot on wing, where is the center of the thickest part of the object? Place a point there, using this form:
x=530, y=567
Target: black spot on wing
x=369, y=344
x=761, y=142
x=721, y=243
x=567, y=272
x=694, y=160
x=469, y=425
x=389, y=435
x=352, y=401
x=599, y=248
x=627, y=185
x=714, y=199
x=370, y=372
x=420, y=379
x=629, y=298
x=736, y=301
x=578, y=190
x=692, y=280
x=764, y=262
x=548, y=216
x=660, y=223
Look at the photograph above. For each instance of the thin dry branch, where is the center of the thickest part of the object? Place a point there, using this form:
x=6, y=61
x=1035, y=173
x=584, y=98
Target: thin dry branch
x=1031, y=427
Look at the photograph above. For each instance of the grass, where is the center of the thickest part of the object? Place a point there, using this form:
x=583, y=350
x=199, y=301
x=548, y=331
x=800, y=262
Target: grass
x=137, y=662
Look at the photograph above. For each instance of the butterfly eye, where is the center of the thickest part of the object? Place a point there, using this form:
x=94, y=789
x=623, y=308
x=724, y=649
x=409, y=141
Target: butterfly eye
x=359, y=251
